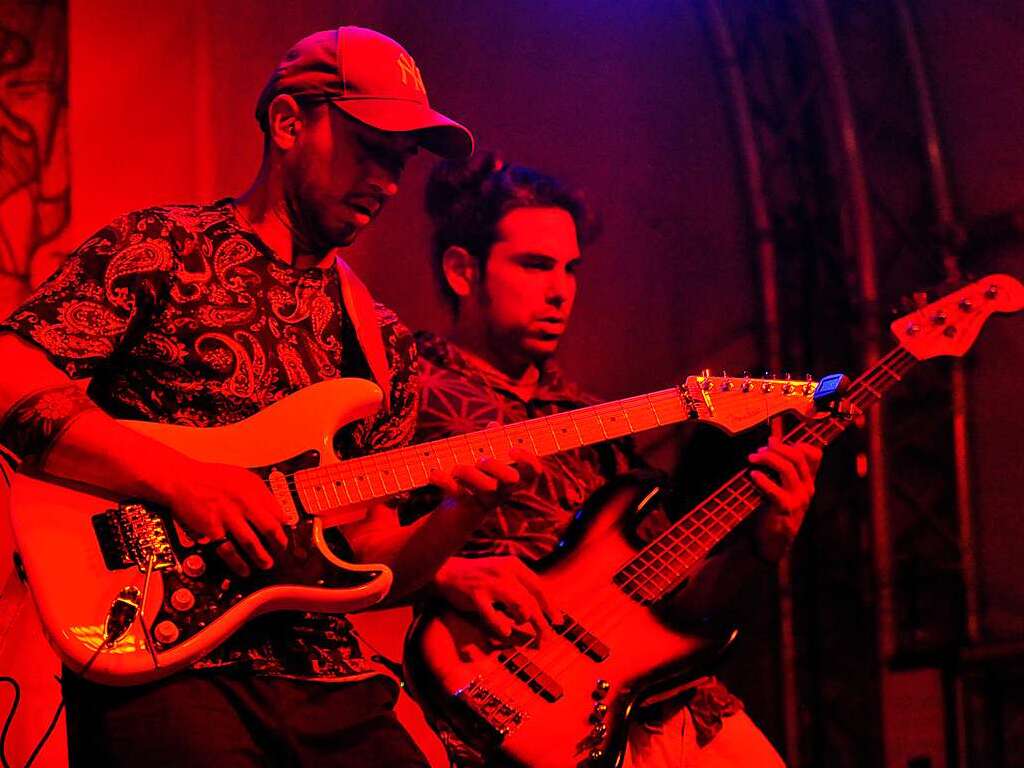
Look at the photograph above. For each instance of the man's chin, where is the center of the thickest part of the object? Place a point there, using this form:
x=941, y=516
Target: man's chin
x=345, y=235
x=541, y=348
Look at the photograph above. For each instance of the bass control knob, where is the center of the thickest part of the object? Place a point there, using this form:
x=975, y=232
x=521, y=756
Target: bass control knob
x=166, y=632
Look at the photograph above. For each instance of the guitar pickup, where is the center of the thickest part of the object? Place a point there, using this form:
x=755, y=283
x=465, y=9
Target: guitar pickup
x=585, y=641
x=535, y=678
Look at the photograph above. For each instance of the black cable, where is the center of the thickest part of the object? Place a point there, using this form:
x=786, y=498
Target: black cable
x=48, y=731
x=10, y=718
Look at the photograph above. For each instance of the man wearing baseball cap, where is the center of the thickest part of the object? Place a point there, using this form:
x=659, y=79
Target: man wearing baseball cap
x=204, y=315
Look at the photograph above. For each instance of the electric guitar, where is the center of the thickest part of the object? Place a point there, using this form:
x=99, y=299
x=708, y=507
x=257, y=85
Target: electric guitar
x=568, y=701
x=125, y=596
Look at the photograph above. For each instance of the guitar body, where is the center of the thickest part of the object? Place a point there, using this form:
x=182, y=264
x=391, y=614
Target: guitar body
x=126, y=597
x=536, y=706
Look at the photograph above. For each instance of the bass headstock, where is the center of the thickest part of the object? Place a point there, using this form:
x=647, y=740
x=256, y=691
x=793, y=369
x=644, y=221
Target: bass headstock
x=738, y=403
x=950, y=325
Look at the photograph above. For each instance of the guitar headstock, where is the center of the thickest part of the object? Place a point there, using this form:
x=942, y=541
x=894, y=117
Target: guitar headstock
x=738, y=403
x=950, y=325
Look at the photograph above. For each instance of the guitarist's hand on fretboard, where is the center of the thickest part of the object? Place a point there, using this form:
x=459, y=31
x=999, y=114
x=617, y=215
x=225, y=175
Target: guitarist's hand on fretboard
x=789, y=490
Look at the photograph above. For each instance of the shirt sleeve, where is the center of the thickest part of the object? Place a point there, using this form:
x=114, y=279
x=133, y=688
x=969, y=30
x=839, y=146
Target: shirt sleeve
x=85, y=310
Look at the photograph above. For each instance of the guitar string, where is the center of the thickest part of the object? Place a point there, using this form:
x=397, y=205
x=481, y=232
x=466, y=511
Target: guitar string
x=651, y=573
x=381, y=465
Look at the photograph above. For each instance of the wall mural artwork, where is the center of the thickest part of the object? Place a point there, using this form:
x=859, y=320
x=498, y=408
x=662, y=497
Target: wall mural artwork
x=35, y=197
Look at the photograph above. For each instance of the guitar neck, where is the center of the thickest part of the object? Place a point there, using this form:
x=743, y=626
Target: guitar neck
x=664, y=563
x=362, y=480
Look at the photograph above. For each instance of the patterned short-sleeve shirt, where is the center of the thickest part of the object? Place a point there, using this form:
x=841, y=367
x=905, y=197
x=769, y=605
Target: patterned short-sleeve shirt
x=183, y=315
x=458, y=396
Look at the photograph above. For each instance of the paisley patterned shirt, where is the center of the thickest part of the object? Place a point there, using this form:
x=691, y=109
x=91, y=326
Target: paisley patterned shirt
x=460, y=396
x=183, y=315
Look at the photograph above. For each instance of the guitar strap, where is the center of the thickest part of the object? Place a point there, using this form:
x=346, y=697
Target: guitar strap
x=359, y=306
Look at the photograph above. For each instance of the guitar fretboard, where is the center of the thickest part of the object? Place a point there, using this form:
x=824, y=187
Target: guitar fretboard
x=664, y=563
x=357, y=481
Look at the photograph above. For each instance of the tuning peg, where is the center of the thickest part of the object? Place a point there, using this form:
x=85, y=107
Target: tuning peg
x=726, y=381
x=965, y=305
x=746, y=382
x=920, y=299
x=808, y=387
x=992, y=291
x=766, y=384
x=706, y=384
x=787, y=388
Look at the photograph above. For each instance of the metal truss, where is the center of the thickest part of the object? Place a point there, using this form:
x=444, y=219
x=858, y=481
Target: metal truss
x=850, y=207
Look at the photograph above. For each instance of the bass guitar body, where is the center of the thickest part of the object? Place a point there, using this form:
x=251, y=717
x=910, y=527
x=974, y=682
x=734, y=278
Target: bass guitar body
x=568, y=700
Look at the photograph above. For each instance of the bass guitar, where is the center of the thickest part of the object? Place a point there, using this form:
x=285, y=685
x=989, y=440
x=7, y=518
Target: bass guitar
x=568, y=701
x=125, y=596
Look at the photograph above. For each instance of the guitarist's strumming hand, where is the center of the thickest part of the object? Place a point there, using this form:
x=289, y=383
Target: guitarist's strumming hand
x=231, y=508
x=501, y=591
x=789, y=488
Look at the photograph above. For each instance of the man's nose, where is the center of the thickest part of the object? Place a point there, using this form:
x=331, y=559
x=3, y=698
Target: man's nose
x=385, y=183
x=558, y=290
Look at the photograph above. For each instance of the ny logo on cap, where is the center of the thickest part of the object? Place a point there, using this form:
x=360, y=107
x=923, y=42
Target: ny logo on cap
x=407, y=67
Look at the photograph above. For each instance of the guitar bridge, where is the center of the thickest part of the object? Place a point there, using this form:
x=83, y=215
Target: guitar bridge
x=133, y=535
x=503, y=716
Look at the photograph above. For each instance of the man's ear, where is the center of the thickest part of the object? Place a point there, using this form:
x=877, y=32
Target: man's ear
x=461, y=271
x=284, y=121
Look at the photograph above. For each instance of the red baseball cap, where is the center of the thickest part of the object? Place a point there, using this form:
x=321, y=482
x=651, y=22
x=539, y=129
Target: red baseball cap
x=371, y=78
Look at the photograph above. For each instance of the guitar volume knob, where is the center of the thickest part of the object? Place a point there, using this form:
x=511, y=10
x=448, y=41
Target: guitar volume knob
x=182, y=599
x=166, y=632
x=193, y=566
